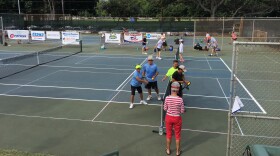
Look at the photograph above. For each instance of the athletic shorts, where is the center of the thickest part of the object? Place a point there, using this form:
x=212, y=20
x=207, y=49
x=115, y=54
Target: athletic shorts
x=144, y=46
x=139, y=89
x=158, y=49
x=151, y=85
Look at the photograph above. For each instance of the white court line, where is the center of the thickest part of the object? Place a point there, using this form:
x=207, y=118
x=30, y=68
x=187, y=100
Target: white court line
x=208, y=62
x=97, y=89
x=103, y=122
x=102, y=101
x=88, y=58
x=271, y=59
x=229, y=105
x=254, y=99
x=124, y=83
x=30, y=82
x=73, y=71
x=73, y=67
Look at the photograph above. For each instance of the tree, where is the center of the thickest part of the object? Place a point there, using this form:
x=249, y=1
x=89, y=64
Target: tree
x=213, y=5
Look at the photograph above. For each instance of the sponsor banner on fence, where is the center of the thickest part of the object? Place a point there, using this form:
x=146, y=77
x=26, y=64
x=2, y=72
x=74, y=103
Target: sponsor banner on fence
x=153, y=36
x=18, y=34
x=112, y=38
x=53, y=35
x=38, y=35
x=133, y=37
x=70, y=37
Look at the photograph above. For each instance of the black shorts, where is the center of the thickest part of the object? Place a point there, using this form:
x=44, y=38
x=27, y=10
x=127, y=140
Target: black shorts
x=139, y=89
x=151, y=85
x=158, y=49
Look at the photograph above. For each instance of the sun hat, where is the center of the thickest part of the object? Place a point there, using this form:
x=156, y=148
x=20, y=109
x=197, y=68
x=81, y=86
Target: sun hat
x=175, y=86
x=138, y=66
x=150, y=57
x=183, y=68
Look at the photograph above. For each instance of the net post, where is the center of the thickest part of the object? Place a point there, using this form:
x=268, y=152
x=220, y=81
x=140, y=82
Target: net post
x=2, y=28
x=81, y=45
x=232, y=94
x=223, y=30
x=194, y=30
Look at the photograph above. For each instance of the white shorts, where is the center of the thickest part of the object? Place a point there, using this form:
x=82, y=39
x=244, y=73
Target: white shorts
x=181, y=52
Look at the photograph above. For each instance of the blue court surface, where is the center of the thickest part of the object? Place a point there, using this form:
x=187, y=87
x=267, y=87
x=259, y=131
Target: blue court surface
x=106, y=78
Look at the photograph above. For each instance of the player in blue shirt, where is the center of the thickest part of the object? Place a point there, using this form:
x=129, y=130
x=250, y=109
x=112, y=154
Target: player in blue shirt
x=136, y=82
x=150, y=70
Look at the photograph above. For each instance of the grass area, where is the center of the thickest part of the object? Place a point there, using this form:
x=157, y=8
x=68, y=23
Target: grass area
x=20, y=153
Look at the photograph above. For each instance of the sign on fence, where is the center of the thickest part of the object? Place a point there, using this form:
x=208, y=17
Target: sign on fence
x=53, y=35
x=38, y=35
x=112, y=38
x=70, y=37
x=153, y=36
x=133, y=37
x=18, y=34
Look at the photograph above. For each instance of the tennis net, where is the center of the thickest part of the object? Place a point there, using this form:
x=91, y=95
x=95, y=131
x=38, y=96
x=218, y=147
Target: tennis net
x=14, y=65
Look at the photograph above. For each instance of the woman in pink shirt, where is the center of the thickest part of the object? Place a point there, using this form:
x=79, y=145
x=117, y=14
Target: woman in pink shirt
x=174, y=107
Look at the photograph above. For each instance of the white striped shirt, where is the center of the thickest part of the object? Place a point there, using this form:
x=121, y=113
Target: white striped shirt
x=174, y=105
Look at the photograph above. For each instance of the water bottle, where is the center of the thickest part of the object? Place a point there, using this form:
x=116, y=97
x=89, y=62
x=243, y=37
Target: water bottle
x=160, y=132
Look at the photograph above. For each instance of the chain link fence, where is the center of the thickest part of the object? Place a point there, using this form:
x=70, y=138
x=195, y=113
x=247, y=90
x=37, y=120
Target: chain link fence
x=256, y=81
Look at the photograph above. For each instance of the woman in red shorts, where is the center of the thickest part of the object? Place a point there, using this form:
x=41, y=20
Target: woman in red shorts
x=174, y=107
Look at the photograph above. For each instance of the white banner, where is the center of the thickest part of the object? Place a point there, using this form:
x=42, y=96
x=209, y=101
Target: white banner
x=53, y=35
x=153, y=36
x=133, y=37
x=38, y=35
x=18, y=34
x=70, y=37
x=112, y=38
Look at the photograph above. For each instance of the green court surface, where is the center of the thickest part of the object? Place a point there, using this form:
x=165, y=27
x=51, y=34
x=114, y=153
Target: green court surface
x=62, y=127
x=79, y=105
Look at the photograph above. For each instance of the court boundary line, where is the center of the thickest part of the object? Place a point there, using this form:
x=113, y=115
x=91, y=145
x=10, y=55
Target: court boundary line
x=103, y=122
x=73, y=67
x=208, y=62
x=253, y=98
x=75, y=71
x=271, y=59
x=88, y=58
x=240, y=129
x=30, y=82
x=123, y=84
x=101, y=101
x=100, y=89
x=103, y=89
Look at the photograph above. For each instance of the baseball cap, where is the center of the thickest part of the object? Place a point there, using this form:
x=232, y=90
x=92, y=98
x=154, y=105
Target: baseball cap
x=138, y=66
x=175, y=86
x=183, y=68
x=181, y=40
x=150, y=57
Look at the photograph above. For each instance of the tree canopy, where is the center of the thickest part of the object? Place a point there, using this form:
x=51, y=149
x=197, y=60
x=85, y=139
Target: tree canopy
x=146, y=8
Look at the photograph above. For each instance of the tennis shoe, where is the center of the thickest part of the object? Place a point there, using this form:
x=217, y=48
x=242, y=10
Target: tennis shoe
x=143, y=102
x=149, y=97
x=131, y=106
x=159, y=58
x=159, y=98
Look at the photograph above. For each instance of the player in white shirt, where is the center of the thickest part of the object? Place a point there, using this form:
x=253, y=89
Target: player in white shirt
x=181, y=50
x=213, y=44
x=159, y=47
